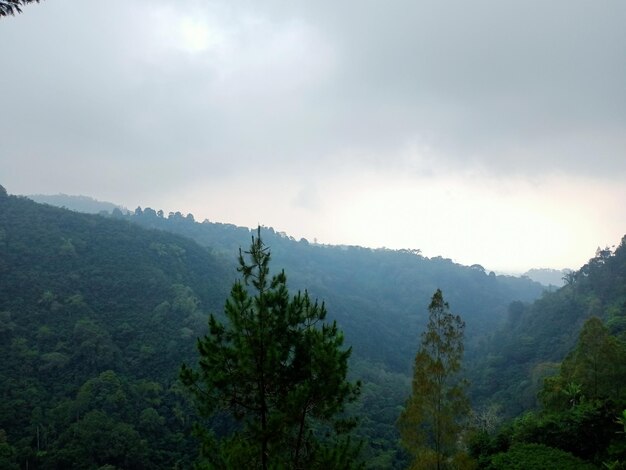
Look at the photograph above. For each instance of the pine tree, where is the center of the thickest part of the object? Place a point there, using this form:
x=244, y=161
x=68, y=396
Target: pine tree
x=431, y=422
x=278, y=372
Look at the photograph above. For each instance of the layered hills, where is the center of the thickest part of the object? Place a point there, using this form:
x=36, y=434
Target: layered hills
x=97, y=312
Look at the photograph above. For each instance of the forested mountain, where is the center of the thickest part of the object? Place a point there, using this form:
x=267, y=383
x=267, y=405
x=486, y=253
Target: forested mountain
x=378, y=297
x=560, y=363
x=537, y=336
x=96, y=316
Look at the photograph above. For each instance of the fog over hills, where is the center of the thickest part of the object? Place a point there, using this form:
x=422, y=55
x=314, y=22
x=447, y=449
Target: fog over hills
x=547, y=276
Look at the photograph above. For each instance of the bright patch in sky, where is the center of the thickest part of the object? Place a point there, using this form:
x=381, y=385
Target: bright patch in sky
x=463, y=218
x=196, y=35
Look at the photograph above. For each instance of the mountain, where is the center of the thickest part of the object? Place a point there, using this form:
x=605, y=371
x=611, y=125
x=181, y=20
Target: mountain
x=379, y=296
x=558, y=367
x=536, y=337
x=548, y=277
x=84, y=204
x=96, y=316
x=94, y=308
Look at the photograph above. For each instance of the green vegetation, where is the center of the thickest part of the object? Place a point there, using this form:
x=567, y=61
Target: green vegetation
x=97, y=314
x=374, y=294
x=512, y=365
x=578, y=417
x=536, y=457
x=279, y=372
x=432, y=421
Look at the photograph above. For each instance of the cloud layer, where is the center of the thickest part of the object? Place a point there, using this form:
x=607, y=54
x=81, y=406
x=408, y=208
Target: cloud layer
x=155, y=100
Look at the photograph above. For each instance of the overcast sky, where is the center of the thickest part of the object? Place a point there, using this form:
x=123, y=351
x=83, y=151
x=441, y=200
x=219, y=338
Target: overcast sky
x=489, y=132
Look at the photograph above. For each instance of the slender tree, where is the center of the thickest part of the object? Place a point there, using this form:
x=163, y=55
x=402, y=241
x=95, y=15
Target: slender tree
x=277, y=372
x=431, y=422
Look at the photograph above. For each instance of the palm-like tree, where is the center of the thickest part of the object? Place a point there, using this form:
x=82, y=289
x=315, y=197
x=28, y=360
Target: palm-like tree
x=11, y=7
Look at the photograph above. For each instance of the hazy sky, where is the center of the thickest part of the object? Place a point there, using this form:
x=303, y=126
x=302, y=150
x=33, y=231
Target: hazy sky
x=489, y=132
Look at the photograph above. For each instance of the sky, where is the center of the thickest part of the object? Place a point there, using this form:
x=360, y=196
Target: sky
x=490, y=132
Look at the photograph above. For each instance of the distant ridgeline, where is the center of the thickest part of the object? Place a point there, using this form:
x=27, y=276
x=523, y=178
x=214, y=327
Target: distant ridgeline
x=548, y=277
x=378, y=295
x=84, y=204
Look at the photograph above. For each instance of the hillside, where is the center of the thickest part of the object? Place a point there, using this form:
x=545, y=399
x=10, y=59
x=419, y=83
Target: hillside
x=559, y=366
x=536, y=337
x=378, y=295
x=98, y=307
x=96, y=316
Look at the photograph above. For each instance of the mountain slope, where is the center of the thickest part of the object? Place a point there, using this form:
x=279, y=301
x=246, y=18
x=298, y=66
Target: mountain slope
x=137, y=288
x=537, y=337
x=96, y=316
x=378, y=296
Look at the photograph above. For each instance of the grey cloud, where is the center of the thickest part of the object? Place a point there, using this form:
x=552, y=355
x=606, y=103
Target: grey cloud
x=481, y=77
x=521, y=87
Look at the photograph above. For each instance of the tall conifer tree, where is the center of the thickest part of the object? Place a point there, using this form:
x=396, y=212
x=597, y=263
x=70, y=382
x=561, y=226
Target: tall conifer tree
x=279, y=371
x=432, y=420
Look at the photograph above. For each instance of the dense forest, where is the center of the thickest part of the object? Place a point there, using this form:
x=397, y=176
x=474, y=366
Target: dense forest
x=98, y=312
x=96, y=316
x=559, y=366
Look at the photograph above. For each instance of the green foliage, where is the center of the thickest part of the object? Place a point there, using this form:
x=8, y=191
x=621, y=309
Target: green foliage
x=545, y=332
x=372, y=292
x=77, y=296
x=585, y=430
x=7, y=452
x=594, y=370
x=580, y=405
x=583, y=398
x=280, y=373
x=536, y=457
x=378, y=408
x=81, y=295
x=433, y=419
x=98, y=439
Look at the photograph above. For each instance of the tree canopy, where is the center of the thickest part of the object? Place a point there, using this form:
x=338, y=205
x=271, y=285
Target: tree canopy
x=277, y=371
x=432, y=420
